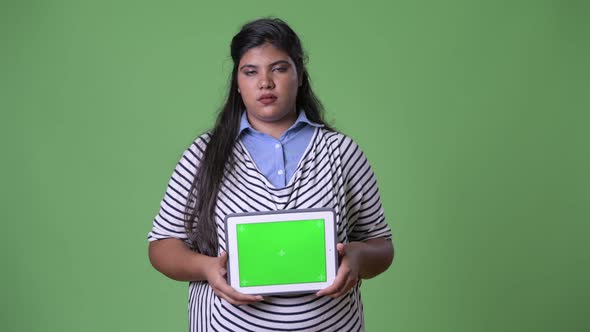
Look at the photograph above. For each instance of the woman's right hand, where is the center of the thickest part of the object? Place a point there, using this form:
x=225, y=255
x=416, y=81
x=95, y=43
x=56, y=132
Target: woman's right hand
x=216, y=278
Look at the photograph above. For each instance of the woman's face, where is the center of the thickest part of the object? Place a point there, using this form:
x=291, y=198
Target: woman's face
x=268, y=83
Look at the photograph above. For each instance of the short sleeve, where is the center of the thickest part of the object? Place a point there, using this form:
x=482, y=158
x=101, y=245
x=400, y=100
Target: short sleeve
x=169, y=222
x=366, y=219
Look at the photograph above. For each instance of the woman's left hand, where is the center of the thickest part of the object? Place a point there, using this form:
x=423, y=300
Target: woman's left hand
x=348, y=273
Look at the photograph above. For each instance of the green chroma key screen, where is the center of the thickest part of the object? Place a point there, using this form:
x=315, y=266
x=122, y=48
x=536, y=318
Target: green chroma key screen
x=279, y=253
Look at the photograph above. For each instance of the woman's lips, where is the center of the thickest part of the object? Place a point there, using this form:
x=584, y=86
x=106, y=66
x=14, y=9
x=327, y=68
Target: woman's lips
x=266, y=100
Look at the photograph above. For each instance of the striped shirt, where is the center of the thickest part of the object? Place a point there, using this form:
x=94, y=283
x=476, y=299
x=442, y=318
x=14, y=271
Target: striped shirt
x=333, y=173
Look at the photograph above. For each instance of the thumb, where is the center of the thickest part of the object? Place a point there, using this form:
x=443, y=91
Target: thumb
x=222, y=261
x=340, y=248
x=223, y=257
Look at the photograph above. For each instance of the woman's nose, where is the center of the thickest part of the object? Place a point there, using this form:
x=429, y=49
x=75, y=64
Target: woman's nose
x=266, y=82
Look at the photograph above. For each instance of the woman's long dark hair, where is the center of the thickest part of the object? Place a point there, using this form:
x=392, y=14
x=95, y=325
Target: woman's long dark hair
x=200, y=224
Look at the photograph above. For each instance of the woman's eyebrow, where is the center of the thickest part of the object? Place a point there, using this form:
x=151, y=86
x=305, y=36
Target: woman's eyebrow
x=279, y=62
x=270, y=65
x=248, y=66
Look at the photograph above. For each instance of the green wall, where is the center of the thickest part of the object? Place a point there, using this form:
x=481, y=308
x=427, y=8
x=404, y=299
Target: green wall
x=474, y=115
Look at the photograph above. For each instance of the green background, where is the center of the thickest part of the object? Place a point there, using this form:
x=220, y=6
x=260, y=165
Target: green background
x=474, y=115
x=267, y=258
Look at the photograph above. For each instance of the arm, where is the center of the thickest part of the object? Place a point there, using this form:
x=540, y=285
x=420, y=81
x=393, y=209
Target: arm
x=370, y=250
x=168, y=252
x=373, y=256
x=174, y=259
x=359, y=260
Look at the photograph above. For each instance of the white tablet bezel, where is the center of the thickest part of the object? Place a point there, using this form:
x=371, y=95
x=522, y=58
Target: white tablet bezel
x=233, y=272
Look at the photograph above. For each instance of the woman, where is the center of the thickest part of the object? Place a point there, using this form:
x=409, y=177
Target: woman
x=270, y=149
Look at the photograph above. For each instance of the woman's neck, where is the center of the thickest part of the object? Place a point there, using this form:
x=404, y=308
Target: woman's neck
x=274, y=128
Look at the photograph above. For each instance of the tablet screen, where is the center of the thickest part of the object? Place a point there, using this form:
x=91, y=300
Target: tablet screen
x=281, y=253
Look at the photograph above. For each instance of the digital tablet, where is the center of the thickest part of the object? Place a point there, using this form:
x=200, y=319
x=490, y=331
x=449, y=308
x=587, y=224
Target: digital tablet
x=278, y=252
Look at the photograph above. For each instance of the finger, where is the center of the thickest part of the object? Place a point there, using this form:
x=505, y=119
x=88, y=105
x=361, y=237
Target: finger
x=350, y=283
x=223, y=258
x=340, y=248
x=331, y=290
x=338, y=283
x=225, y=291
x=239, y=298
x=342, y=275
x=341, y=290
x=233, y=296
x=223, y=263
x=334, y=287
x=235, y=301
x=230, y=300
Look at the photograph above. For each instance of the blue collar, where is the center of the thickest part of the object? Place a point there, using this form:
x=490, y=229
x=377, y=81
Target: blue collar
x=300, y=121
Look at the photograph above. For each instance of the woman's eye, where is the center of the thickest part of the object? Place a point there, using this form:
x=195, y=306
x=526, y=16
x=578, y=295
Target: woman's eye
x=250, y=72
x=280, y=69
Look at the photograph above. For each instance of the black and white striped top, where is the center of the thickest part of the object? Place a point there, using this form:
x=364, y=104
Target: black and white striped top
x=334, y=173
